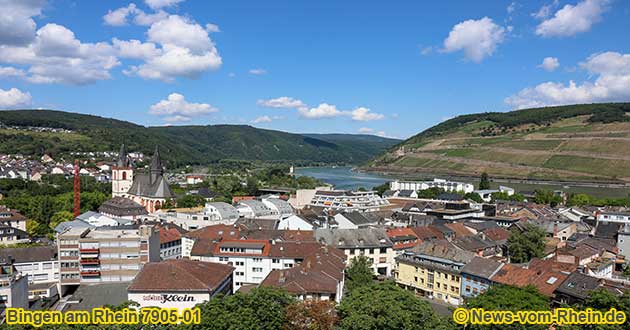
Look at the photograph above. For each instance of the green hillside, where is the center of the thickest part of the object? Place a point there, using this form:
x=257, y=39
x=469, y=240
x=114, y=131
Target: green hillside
x=587, y=142
x=181, y=145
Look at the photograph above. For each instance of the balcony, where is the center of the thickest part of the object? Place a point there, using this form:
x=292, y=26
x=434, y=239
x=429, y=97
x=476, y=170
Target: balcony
x=91, y=261
x=89, y=251
x=90, y=273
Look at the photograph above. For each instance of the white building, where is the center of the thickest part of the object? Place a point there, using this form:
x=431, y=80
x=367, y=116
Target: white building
x=345, y=200
x=280, y=208
x=212, y=214
x=303, y=197
x=449, y=186
x=295, y=222
x=188, y=283
x=13, y=288
x=39, y=265
x=253, y=259
x=616, y=217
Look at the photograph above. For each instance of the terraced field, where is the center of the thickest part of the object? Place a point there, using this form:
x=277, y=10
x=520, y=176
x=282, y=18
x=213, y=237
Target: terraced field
x=569, y=149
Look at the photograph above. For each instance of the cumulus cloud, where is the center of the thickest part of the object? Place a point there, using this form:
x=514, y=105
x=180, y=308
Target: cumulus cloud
x=323, y=110
x=212, y=28
x=573, y=19
x=9, y=71
x=477, y=38
x=121, y=16
x=156, y=4
x=549, y=64
x=262, y=119
x=177, y=109
x=282, y=102
x=364, y=114
x=545, y=11
x=258, y=72
x=17, y=27
x=14, y=98
x=612, y=84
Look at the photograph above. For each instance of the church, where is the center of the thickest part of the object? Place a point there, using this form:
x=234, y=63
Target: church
x=148, y=188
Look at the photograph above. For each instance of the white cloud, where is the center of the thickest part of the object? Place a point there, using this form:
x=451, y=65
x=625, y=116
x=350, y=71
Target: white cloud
x=120, y=16
x=262, y=119
x=511, y=7
x=324, y=110
x=9, y=71
x=178, y=109
x=573, y=19
x=258, y=72
x=17, y=27
x=364, y=114
x=136, y=49
x=14, y=98
x=545, y=11
x=612, y=84
x=177, y=119
x=181, y=32
x=477, y=38
x=212, y=28
x=549, y=64
x=156, y=4
x=282, y=102
x=426, y=50
x=366, y=130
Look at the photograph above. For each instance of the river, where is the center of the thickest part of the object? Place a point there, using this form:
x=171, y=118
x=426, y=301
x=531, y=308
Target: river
x=343, y=177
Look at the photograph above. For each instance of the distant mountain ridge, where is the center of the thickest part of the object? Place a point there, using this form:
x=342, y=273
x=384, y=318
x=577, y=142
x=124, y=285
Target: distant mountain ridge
x=182, y=145
x=582, y=142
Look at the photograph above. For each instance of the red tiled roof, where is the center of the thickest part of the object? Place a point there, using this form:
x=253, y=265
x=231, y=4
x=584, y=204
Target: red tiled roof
x=497, y=234
x=169, y=233
x=513, y=275
x=215, y=232
x=459, y=229
x=177, y=275
x=404, y=233
x=427, y=233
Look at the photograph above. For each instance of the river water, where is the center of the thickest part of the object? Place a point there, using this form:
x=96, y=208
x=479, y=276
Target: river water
x=343, y=177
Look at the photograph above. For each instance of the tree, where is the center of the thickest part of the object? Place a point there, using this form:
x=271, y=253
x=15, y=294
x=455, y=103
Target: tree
x=545, y=196
x=484, y=182
x=473, y=197
x=359, y=273
x=579, y=200
x=59, y=217
x=190, y=201
x=263, y=308
x=380, y=189
x=385, y=306
x=430, y=193
x=311, y=315
x=526, y=244
x=504, y=297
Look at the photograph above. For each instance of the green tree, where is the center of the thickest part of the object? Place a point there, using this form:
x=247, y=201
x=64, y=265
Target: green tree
x=385, y=306
x=359, y=273
x=484, y=182
x=523, y=246
x=190, y=201
x=579, y=200
x=380, y=189
x=473, y=197
x=263, y=308
x=59, y=217
x=545, y=196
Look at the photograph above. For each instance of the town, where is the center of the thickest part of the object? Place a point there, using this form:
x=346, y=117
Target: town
x=444, y=241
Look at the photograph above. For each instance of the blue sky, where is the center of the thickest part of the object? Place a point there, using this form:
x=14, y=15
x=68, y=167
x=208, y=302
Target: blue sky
x=376, y=67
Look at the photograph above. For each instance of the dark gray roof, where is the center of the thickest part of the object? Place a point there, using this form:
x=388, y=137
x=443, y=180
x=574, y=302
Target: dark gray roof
x=123, y=159
x=607, y=229
x=358, y=218
x=450, y=197
x=354, y=238
x=405, y=193
x=97, y=295
x=152, y=184
x=578, y=285
x=7, y=231
x=472, y=243
x=120, y=207
x=29, y=254
x=481, y=225
x=482, y=267
x=203, y=192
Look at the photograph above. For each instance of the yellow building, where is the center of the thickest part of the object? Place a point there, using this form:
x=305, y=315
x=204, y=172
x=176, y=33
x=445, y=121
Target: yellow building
x=432, y=269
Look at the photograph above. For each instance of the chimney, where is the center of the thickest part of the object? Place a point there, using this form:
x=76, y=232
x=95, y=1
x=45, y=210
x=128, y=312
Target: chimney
x=281, y=278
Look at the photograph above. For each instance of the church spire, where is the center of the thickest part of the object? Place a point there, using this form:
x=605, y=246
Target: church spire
x=156, y=168
x=123, y=159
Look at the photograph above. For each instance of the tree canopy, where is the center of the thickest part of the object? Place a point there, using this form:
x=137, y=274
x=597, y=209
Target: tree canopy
x=526, y=244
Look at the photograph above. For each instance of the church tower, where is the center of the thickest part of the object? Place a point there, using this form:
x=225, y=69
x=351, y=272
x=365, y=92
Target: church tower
x=122, y=174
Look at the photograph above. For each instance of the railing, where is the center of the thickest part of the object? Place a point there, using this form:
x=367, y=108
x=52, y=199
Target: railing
x=89, y=261
x=90, y=273
x=94, y=250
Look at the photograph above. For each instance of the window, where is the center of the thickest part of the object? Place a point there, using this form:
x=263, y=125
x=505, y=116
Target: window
x=240, y=263
x=240, y=273
x=371, y=251
x=257, y=269
x=383, y=250
x=257, y=259
x=275, y=261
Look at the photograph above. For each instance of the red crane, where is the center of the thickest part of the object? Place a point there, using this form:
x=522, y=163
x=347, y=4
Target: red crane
x=77, y=189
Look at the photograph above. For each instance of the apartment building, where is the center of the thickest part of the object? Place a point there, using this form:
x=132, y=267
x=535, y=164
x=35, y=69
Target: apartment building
x=12, y=218
x=450, y=186
x=13, y=288
x=39, y=265
x=253, y=259
x=211, y=214
x=105, y=254
x=433, y=269
x=372, y=243
x=346, y=200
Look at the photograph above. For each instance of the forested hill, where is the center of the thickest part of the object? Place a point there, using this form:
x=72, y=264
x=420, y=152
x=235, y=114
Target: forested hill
x=584, y=142
x=180, y=145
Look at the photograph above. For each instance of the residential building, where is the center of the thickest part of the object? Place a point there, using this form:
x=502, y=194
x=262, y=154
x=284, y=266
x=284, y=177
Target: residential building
x=476, y=276
x=39, y=264
x=320, y=276
x=187, y=284
x=623, y=240
x=303, y=197
x=170, y=240
x=211, y=214
x=255, y=209
x=372, y=243
x=105, y=254
x=354, y=220
x=615, y=217
x=208, y=234
x=295, y=222
x=10, y=236
x=403, y=238
x=124, y=208
x=346, y=200
x=280, y=208
x=433, y=269
x=450, y=186
x=12, y=218
x=13, y=288
x=253, y=259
